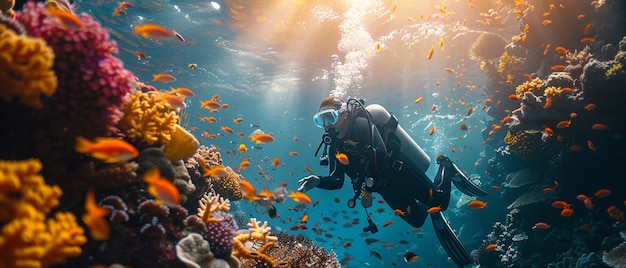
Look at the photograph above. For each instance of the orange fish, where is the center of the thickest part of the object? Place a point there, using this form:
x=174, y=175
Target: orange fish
x=216, y=171
x=561, y=50
x=560, y=204
x=615, y=213
x=505, y=119
x=587, y=28
x=210, y=104
x=153, y=31
x=546, y=22
x=477, y=204
x=164, y=78
x=580, y=16
x=491, y=247
x=342, y=158
x=541, y=225
x=549, y=190
x=238, y=120
x=566, y=212
x=308, y=170
x=558, y=67
x=591, y=146
x=587, y=40
x=432, y=130
x=419, y=99
x=575, y=148
x=244, y=164
x=276, y=162
x=410, y=257
x=430, y=52
x=140, y=55
x=110, y=150
x=590, y=106
x=602, y=193
x=434, y=209
x=174, y=101
x=262, y=138
x=228, y=130
x=299, y=197
x=548, y=131
x=65, y=18
x=161, y=189
x=470, y=110
x=387, y=223
x=598, y=126
x=399, y=212
x=242, y=148
x=377, y=47
x=94, y=218
x=182, y=91
x=564, y=124
x=294, y=153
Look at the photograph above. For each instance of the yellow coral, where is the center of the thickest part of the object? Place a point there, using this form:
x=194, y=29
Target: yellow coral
x=525, y=143
x=228, y=186
x=259, y=233
x=614, y=71
x=28, y=239
x=551, y=92
x=25, y=68
x=210, y=203
x=529, y=86
x=510, y=69
x=148, y=118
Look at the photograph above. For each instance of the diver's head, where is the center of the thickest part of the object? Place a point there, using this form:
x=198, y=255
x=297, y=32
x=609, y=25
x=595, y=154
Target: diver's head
x=332, y=114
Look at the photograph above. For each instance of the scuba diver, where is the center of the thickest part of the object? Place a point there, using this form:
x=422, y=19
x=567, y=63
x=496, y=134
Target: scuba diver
x=368, y=145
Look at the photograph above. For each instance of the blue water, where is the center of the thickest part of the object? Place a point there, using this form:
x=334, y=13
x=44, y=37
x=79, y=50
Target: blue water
x=272, y=61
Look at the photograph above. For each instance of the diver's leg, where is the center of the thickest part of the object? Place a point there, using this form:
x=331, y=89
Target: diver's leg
x=401, y=198
x=450, y=171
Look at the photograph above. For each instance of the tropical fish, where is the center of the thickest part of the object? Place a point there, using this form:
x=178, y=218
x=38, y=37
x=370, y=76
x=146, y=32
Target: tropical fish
x=598, y=126
x=615, y=213
x=94, y=218
x=602, y=193
x=541, y=225
x=276, y=162
x=163, y=78
x=299, y=197
x=430, y=52
x=477, y=204
x=164, y=191
x=65, y=18
x=242, y=148
x=491, y=247
x=192, y=66
x=110, y=150
x=410, y=257
x=432, y=130
x=342, y=158
x=216, y=171
x=153, y=31
x=261, y=138
x=182, y=91
x=419, y=99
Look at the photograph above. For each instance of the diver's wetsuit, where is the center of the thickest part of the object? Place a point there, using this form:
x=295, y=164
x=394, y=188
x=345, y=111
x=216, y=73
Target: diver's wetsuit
x=399, y=187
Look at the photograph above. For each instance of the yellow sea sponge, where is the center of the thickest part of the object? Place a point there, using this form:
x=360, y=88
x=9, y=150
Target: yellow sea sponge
x=552, y=92
x=228, y=186
x=149, y=118
x=529, y=86
x=25, y=68
x=27, y=238
x=182, y=145
x=525, y=143
x=511, y=69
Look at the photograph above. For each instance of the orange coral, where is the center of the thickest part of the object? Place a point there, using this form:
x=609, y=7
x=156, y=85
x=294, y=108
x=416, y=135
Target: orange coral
x=149, y=118
x=25, y=68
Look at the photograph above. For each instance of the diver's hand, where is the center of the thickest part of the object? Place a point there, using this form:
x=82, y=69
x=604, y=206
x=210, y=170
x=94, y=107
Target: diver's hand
x=308, y=183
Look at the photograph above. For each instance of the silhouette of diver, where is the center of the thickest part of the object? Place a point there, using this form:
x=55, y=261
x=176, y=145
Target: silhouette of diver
x=368, y=145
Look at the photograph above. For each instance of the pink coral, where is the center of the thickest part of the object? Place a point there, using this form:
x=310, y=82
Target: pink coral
x=92, y=82
x=220, y=234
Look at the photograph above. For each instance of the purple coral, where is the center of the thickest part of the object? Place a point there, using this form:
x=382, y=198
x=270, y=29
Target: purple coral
x=220, y=234
x=92, y=82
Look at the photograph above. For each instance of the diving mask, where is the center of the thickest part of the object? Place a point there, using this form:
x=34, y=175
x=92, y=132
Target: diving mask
x=326, y=117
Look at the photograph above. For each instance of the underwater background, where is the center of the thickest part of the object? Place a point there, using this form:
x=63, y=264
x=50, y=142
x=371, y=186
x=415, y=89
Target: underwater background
x=526, y=97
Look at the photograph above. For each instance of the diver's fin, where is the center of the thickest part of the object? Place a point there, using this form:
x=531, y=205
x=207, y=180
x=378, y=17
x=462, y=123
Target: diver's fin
x=465, y=185
x=449, y=241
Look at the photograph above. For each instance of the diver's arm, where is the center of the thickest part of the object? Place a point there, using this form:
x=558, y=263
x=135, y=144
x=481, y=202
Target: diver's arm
x=336, y=177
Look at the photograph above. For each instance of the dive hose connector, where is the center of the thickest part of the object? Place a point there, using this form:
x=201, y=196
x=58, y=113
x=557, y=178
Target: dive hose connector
x=352, y=201
x=324, y=160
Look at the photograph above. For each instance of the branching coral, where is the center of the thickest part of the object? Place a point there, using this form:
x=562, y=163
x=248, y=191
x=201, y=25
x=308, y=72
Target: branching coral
x=296, y=251
x=529, y=86
x=615, y=70
x=91, y=82
x=525, y=143
x=211, y=203
x=28, y=239
x=211, y=156
x=25, y=68
x=510, y=69
x=255, y=232
x=578, y=57
x=148, y=118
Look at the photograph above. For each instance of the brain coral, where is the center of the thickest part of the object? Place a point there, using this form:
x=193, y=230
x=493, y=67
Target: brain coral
x=91, y=82
x=228, y=186
x=149, y=119
x=25, y=68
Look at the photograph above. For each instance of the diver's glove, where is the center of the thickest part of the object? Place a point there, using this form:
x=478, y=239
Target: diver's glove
x=308, y=183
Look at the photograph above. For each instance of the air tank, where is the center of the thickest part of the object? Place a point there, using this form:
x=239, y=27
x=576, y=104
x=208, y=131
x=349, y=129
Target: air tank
x=411, y=153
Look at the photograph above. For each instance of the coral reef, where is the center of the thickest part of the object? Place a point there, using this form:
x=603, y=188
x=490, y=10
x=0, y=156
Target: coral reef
x=487, y=46
x=27, y=238
x=91, y=82
x=510, y=69
x=211, y=203
x=149, y=119
x=525, y=143
x=297, y=251
x=25, y=68
x=533, y=86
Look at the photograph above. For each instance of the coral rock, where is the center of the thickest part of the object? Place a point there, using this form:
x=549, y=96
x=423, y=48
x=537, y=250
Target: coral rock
x=194, y=251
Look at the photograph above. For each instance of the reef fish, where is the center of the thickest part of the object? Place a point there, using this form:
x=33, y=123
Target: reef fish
x=94, y=218
x=164, y=191
x=110, y=150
